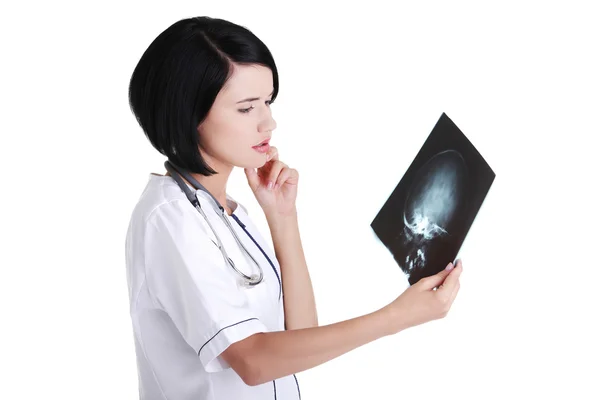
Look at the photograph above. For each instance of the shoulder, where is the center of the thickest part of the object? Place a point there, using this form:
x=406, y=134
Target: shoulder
x=162, y=199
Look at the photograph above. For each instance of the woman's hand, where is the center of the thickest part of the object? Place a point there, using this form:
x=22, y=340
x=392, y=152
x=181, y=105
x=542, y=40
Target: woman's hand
x=420, y=303
x=280, y=198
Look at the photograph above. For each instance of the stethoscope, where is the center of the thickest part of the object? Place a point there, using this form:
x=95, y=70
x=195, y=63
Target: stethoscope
x=177, y=173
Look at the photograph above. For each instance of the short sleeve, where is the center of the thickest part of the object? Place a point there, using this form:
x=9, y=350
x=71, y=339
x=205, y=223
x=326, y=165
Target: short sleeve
x=189, y=280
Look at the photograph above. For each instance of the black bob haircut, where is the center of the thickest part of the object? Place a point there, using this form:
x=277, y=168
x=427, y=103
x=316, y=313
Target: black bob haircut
x=178, y=77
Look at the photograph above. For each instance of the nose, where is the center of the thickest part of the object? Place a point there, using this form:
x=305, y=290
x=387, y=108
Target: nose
x=267, y=123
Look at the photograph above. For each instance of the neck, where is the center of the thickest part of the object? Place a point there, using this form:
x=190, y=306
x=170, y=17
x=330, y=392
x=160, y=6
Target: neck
x=215, y=184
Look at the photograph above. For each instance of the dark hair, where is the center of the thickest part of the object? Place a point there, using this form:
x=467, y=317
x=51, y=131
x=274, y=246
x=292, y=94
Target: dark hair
x=178, y=77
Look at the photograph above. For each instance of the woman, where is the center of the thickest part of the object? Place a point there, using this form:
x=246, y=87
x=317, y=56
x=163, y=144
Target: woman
x=203, y=330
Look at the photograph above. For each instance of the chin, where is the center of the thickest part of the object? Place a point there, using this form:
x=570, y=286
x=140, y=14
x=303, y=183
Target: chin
x=253, y=163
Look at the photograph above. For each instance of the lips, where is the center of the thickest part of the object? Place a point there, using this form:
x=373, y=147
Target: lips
x=263, y=142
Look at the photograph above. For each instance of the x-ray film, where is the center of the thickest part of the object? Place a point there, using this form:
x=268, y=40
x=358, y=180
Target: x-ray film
x=425, y=220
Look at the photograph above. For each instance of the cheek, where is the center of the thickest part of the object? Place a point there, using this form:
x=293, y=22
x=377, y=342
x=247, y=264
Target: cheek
x=220, y=131
x=232, y=137
x=238, y=128
x=229, y=135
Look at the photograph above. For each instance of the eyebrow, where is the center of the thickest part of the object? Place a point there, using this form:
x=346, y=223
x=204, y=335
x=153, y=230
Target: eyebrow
x=253, y=98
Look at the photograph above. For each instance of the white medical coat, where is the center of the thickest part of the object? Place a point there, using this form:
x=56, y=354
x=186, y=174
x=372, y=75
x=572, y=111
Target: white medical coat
x=185, y=304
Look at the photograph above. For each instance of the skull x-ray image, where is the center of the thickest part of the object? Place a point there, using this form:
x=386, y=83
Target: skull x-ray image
x=428, y=215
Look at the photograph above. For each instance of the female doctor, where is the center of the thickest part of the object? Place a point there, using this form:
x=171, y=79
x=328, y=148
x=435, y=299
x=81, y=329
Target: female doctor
x=216, y=313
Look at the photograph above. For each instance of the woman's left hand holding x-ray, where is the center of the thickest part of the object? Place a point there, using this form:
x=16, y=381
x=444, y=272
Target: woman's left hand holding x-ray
x=274, y=185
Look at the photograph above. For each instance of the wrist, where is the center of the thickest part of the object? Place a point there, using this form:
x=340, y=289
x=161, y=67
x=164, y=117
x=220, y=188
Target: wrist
x=393, y=319
x=279, y=218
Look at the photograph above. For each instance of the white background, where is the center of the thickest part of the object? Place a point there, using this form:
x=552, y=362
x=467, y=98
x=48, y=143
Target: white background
x=361, y=88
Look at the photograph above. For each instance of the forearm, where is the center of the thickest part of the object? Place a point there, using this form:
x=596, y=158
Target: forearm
x=278, y=354
x=299, y=301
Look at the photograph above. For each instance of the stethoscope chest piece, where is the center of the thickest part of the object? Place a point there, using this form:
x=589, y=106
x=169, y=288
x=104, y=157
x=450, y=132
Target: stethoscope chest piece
x=252, y=284
x=244, y=280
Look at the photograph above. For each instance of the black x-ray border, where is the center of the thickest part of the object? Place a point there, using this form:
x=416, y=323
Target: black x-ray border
x=389, y=220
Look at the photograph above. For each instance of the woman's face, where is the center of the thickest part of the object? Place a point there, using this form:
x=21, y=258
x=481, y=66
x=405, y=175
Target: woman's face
x=239, y=119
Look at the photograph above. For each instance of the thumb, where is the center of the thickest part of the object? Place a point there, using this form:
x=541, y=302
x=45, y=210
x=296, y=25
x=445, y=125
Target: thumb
x=435, y=280
x=253, y=179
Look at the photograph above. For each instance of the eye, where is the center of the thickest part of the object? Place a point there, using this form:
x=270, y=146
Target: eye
x=246, y=110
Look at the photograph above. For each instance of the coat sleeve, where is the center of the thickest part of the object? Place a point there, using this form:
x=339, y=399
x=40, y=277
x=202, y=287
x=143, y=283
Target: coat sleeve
x=190, y=281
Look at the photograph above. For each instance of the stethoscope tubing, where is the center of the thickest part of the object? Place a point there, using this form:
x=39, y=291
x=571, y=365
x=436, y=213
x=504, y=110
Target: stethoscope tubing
x=177, y=173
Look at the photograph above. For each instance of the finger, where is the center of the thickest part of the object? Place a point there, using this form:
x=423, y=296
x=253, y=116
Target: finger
x=288, y=175
x=276, y=169
x=283, y=176
x=253, y=178
x=451, y=281
x=454, y=292
x=265, y=170
x=272, y=154
x=433, y=281
x=456, y=264
x=291, y=176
